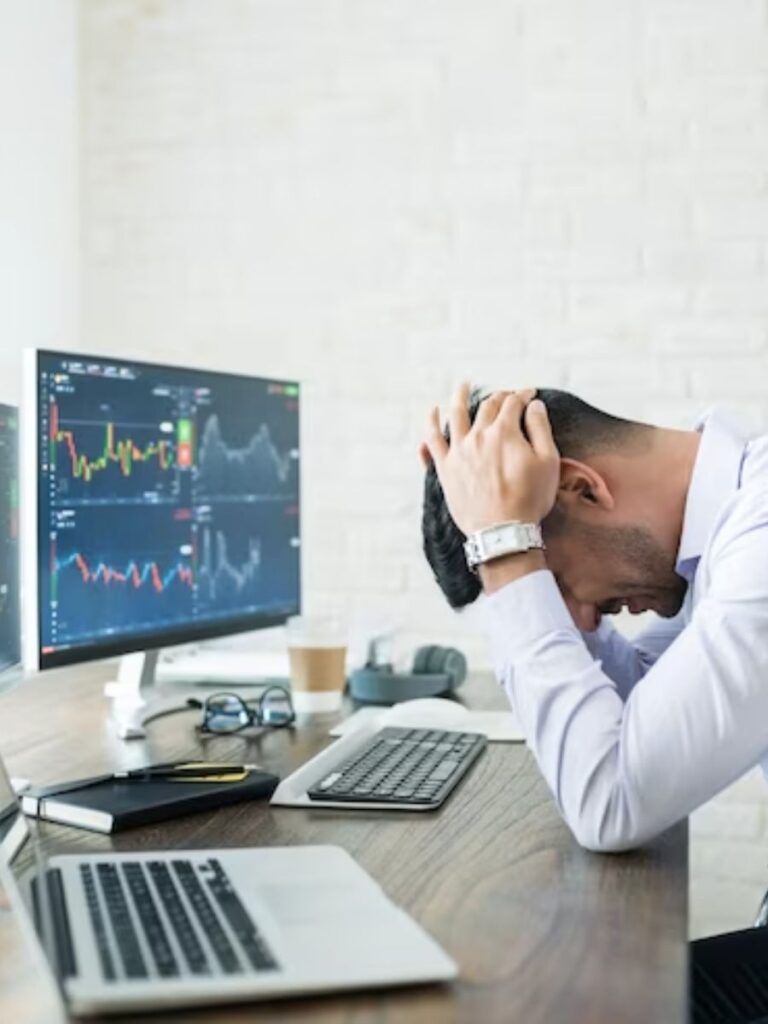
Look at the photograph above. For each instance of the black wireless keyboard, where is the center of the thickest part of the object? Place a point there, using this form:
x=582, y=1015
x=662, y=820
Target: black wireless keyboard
x=409, y=767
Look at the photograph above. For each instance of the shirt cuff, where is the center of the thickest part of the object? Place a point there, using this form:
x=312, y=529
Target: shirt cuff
x=524, y=611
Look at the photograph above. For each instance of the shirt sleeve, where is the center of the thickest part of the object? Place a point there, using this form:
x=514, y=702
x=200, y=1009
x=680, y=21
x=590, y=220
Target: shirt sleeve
x=627, y=661
x=623, y=771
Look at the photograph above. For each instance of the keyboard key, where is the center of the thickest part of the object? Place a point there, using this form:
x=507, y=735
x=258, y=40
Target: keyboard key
x=62, y=935
x=444, y=771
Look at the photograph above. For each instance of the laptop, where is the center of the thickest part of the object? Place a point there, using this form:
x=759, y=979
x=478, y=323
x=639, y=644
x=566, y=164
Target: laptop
x=154, y=930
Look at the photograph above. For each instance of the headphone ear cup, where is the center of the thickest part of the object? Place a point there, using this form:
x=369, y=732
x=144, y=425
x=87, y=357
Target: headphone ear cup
x=436, y=661
x=447, y=661
x=422, y=658
x=454, y=666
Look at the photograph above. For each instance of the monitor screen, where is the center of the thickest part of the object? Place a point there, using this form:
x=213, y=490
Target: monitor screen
x=168, y=505
x=10, y=627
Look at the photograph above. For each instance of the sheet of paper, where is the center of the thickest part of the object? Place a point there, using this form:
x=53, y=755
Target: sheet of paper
x=436, y=713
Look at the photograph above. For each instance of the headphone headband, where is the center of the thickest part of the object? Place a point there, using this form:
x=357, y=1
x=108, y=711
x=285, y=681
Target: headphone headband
x=379, y=684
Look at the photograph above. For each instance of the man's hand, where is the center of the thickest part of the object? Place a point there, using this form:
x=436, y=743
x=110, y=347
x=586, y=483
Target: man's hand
x=490, y=473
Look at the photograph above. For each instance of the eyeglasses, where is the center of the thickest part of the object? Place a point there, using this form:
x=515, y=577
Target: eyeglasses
x=227, y=713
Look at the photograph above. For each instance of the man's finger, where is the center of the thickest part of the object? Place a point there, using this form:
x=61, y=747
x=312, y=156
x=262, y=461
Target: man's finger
x=489, y=410
x=539, y=429
x=424, y=455
x=511, y=412
x=434, y=442
x=459, y=417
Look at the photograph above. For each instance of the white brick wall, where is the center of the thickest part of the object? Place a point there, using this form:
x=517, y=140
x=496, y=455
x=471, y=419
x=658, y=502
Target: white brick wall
x=39, y=275
x=383, y=197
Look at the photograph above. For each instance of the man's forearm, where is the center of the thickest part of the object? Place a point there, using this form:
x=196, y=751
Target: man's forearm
x=623, y=660
x=626, y=661
x=622, y=771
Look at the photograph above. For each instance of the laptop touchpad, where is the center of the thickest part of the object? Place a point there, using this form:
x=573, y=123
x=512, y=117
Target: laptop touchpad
x=297, y=903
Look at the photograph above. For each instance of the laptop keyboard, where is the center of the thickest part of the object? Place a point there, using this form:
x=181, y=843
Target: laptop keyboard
x=239, y=921
x=417, y=767
x=97, y=920
x=223, y=949
x=118, y=914
x=213, y=931
x=154, y=929
x=194, y=954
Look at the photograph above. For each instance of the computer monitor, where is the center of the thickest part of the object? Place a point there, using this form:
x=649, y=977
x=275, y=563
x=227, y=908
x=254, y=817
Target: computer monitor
x=167, y=505
x=10, y=625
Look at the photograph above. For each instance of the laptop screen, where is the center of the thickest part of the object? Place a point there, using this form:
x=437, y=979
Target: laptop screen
x=14, y=829
x=17, y=875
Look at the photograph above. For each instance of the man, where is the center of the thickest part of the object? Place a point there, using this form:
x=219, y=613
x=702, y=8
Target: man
x=630, y=736
x=635, y=516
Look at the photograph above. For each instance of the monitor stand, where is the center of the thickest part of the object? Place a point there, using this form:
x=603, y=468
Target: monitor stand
x=135, y=699
x=10, y=676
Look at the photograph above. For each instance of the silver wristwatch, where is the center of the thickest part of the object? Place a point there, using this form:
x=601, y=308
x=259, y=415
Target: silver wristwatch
x=500, y=540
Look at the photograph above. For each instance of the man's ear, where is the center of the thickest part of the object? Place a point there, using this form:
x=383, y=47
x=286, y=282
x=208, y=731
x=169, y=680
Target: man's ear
x=581, y=486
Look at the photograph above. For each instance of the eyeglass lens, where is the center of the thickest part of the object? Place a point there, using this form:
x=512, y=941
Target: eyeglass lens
x=226, y=713
x=275, y=707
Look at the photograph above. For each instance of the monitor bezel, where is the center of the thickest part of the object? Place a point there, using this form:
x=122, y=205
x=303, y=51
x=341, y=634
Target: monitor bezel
x=34, y=659
x=9, y=670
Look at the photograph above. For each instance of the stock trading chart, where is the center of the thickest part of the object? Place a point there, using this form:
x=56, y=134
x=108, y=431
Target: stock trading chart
x=10, y=631
x=168, y=499
x=259, y=466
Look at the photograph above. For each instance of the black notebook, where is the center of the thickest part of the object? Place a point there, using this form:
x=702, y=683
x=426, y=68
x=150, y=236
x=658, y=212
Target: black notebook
x=115, y=804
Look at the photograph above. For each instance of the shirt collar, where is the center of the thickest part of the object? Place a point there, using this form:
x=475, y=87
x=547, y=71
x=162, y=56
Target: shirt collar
x=716, y=474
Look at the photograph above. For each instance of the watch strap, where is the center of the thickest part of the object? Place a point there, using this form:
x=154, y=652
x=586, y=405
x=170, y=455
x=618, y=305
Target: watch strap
x=501, y=540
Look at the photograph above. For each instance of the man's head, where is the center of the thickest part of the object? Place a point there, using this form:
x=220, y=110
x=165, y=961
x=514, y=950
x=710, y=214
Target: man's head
x=612, y=536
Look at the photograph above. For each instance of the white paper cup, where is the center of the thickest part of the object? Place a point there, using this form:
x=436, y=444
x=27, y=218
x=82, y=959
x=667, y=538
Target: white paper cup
x=317, y=648
x=305, y=702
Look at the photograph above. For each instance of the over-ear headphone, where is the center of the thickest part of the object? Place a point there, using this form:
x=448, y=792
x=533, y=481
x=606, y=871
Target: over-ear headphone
x=435, y=670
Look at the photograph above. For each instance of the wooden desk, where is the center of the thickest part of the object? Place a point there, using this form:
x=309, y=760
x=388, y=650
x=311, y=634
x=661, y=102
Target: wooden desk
x=542, y=930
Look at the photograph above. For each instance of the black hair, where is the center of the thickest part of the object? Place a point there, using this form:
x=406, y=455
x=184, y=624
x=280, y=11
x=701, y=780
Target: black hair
x=579, y=430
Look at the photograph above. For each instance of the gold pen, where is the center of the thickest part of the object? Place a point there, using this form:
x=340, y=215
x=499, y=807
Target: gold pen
x=189, y=771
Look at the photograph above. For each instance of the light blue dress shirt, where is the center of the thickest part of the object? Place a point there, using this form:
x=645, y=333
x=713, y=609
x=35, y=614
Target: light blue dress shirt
x=633, y=735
